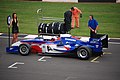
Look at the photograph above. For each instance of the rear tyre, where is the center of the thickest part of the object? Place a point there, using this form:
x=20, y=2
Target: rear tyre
x=84, y=52
x=24, y=49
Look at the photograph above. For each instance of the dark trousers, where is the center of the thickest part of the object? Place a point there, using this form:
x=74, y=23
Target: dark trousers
x=92, y=34
x=67, y=26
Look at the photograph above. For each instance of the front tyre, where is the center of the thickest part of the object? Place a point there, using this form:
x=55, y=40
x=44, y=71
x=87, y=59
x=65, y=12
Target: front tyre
x=24, y=49
x=84, y=52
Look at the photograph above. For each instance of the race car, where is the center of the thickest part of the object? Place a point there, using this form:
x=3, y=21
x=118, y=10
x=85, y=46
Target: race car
x=60, y=44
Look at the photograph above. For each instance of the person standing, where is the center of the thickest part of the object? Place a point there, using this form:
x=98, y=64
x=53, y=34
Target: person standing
x=75, y=16
x=15, y=28
x=93, y=26
x=67, y=20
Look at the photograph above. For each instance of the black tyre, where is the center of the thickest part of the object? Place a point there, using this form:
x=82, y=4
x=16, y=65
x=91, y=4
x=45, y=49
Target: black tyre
x=84, y=52
x=62, y=28
x=40, y=28
x=44, y=28
x=56, y=28
x=24, y=49
x=50, y=28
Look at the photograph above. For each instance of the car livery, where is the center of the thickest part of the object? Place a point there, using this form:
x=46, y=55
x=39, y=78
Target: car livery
x=62, y=44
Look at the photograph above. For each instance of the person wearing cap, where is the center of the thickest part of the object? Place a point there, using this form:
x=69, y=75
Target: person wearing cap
x=93, y=26
x=75, y=16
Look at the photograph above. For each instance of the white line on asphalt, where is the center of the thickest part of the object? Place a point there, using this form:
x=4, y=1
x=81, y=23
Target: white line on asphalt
x=114, y=43
x=95, y=60
x=105, y=48
x=69, y=78
x=11, y=37
x=13, y=65
x=106, y=53
x=43, y=58
x=115, y=38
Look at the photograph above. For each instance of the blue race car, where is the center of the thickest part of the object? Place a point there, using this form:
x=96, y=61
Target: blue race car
x=60, y=44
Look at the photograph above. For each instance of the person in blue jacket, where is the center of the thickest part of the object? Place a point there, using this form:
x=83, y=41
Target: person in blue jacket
x=93, y=26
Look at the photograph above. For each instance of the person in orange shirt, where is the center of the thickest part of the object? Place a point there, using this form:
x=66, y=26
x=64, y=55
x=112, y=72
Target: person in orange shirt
x=75, y=16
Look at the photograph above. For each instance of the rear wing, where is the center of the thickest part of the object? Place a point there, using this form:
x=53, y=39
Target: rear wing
x=104, y=39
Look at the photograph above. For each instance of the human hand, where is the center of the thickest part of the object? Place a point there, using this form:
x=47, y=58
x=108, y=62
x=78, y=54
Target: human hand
x=95, y=31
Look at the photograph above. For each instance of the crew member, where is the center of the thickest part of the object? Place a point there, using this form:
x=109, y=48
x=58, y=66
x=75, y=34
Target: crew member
x=75, y=16
x=67, y=20
x=93, y=26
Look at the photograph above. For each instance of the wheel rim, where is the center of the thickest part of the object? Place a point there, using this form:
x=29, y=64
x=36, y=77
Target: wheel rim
x=24, y=49
x=82, y=53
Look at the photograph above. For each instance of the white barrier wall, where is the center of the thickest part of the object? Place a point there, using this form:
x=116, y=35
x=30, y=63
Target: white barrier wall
x=61, y=1
x=117, y=1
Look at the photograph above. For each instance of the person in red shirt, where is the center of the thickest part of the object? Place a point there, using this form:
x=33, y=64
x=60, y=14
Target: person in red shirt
x=75, y=16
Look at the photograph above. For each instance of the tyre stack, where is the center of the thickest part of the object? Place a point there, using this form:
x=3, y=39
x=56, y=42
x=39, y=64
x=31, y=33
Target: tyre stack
x=52, y=28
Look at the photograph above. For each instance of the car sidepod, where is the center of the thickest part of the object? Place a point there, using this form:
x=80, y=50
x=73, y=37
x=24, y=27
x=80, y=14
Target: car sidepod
x=62, y=46
x=54, y=49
